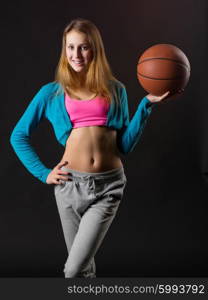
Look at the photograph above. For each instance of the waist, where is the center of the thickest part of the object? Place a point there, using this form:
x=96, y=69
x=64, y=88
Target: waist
x=90, y=164
x=107, y=175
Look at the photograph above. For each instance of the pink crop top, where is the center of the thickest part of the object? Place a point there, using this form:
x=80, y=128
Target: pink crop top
x=84, y=113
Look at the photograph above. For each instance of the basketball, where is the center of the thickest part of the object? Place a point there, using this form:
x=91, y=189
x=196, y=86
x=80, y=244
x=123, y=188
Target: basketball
x=162, y=68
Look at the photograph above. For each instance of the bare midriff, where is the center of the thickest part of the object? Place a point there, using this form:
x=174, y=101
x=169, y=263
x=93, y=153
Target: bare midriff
x=92, y=149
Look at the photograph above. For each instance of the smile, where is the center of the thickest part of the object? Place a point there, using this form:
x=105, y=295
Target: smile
x=78, y=62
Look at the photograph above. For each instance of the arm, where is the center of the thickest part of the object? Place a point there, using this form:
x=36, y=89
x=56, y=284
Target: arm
x=20, y=136
x=131, y=131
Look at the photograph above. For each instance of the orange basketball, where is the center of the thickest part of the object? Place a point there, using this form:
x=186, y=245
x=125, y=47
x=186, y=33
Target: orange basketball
x=162, y=68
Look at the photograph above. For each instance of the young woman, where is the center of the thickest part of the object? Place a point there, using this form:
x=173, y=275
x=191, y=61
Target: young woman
x=88, y=109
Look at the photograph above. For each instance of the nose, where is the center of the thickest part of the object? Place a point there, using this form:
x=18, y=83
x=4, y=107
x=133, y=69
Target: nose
x=77, y=53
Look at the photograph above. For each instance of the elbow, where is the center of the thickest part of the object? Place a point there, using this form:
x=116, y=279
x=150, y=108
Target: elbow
x=16, y=138
x=12, y=139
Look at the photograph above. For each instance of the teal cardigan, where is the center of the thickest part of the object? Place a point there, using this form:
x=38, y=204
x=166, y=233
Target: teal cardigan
x=47, y=103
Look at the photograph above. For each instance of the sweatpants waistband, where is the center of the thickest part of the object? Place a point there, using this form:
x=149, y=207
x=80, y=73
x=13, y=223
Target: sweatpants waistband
x=100, y=175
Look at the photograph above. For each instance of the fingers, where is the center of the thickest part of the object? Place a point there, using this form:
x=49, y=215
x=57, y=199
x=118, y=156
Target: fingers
x=60, y=179
x=64, y=177
x=165, y=95
x=57, y=176
x=180, y=91
x=63, y=172
x=61, y=164
x=58, y=182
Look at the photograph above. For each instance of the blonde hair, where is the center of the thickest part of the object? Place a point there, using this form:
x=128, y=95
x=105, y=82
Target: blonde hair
x=99, y=75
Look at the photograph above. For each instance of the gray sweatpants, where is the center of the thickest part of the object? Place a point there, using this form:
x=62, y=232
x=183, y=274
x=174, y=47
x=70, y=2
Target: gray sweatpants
x=87, y=206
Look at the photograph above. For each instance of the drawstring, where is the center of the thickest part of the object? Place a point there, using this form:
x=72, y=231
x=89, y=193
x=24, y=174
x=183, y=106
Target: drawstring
x=90, y=180
x=91, y=184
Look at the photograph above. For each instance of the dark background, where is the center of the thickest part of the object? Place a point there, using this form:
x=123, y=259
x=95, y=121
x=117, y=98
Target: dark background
x=161, y=226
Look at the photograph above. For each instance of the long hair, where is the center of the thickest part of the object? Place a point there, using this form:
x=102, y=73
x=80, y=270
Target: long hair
x=99, y=74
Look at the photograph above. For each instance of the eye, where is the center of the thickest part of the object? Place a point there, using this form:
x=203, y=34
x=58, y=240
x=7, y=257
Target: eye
x=85, y=48
x=70, y=47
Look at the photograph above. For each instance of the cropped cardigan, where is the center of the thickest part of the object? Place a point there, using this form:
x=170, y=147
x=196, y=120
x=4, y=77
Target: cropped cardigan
x=49, y=103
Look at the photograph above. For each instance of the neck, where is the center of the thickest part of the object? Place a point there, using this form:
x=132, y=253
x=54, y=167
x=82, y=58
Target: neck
x=81, y=80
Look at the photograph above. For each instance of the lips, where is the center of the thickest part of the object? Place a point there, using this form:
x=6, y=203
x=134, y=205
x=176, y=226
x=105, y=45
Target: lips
x=76, y=62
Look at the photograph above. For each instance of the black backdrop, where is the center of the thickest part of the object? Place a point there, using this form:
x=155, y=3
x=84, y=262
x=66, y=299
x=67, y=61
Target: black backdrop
x=161, y=226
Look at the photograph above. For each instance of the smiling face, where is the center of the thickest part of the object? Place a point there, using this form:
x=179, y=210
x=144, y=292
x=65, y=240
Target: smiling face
x=78, y=51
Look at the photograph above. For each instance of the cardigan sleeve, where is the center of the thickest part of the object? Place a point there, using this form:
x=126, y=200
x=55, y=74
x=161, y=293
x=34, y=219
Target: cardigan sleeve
x=20, y=137
x=131, y=131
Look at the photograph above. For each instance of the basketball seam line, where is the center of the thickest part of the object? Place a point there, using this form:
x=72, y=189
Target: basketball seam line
x=183, y=65
x=175, y=78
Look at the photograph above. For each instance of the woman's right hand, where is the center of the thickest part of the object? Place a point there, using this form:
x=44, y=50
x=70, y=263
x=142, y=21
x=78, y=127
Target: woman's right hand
x=55, y=176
